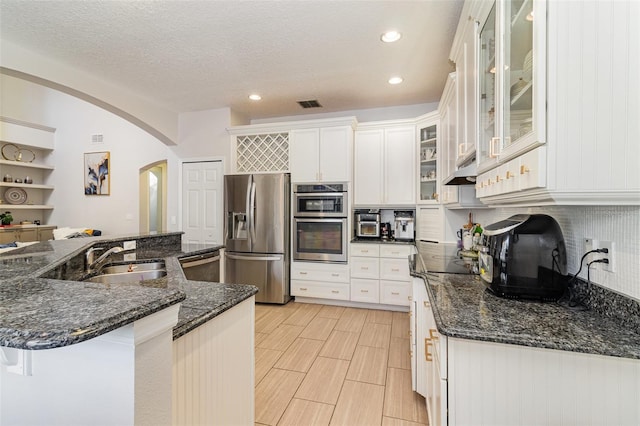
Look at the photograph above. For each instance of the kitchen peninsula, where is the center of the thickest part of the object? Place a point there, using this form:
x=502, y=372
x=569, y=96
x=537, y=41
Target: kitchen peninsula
x=126, y=353
x=483, y=359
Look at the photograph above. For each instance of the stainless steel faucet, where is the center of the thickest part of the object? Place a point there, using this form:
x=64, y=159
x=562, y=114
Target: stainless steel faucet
x=91, y=264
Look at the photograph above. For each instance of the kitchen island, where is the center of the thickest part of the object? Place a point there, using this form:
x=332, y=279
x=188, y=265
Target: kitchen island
x=102, y=346
x=490, y=360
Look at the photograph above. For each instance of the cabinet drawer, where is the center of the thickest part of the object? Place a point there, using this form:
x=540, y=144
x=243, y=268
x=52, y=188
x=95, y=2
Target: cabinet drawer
x=320, y=272
x=532, y=171
x=395, y=293
x=365, y=267
x=365, y=250
x=365, y=291
x=394, y=269
x=320, y=289
x=395, y=250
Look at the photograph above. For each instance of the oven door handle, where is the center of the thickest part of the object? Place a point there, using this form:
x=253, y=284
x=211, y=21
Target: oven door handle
x=323, y=220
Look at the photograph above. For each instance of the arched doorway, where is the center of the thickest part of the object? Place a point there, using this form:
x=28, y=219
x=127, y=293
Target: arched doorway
x=153, y=197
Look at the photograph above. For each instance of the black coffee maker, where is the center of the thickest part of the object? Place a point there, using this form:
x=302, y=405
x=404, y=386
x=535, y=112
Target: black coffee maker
x=524, y=256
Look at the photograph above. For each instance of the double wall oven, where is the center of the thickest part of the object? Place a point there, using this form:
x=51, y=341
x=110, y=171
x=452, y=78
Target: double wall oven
x=320, y=222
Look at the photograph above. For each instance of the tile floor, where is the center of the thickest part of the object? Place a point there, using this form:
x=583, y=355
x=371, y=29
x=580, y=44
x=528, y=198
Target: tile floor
x=329, y=365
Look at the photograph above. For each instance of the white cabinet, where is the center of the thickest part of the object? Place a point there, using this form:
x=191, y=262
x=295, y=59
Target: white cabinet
x=448, y=138
x=512, y=70
x=320, y=280
x=538, y=386
x=429, y=141
x=25, y=151
x=320, y=154
x=463, y=54
x=368, y=173
x=569, y=137
x=431, y=224
x=384, y=164
x=380, y=273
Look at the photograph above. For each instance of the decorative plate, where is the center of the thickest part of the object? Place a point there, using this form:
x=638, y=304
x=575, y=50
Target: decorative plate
x=15, y=196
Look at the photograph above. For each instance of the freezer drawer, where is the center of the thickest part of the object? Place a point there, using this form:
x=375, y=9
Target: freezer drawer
x=268, y=272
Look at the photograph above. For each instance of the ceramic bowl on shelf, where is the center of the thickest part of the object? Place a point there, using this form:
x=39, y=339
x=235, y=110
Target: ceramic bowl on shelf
x=518, y=87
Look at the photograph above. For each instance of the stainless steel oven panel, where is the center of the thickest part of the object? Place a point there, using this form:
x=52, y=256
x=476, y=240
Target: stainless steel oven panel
x=339, y=198
x=320, y=254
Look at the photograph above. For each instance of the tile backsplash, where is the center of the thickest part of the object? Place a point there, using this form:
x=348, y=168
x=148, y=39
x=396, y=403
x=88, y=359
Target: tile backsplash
x=619, y=224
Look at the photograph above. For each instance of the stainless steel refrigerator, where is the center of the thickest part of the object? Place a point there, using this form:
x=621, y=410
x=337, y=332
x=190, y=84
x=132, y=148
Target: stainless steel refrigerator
x=257, y=223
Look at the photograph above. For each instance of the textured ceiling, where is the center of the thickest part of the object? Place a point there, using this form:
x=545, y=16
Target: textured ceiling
x=196, y=55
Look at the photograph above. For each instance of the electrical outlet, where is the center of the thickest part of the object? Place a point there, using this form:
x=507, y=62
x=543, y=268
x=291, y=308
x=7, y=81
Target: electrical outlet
x=129, y=245
x=590, y=244
x=609, y=245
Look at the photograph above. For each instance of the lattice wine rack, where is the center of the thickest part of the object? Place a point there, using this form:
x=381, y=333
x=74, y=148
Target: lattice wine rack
x=262, y=153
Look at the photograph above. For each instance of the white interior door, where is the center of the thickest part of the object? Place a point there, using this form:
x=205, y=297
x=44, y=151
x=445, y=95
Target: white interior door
x=202, y=202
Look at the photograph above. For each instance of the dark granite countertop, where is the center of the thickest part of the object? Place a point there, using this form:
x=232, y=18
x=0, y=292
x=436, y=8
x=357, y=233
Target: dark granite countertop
x=463, y=309
x=40, y=311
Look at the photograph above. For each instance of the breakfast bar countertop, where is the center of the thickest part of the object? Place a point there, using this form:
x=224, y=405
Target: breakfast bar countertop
x=463, y=309
x=40, y=311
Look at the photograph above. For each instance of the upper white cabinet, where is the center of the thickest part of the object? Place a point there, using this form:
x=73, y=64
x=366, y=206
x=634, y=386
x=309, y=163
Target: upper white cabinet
x=384, y=164
x=448, y=110
x=512, y=69
x=463, y=54
x=558, y=109
x=430, y=170
x=320, y=154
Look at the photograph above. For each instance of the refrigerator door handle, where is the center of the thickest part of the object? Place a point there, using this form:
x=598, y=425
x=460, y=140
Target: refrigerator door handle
x=252, y=217
x=266, y=258
x=248, y=212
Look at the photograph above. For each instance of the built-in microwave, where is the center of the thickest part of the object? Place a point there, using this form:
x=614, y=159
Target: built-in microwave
x=320, y=200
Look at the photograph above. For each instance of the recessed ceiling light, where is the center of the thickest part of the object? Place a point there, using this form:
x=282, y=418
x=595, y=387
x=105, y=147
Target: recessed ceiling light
x=395, y=80
x=390, y=36
x=255, y=97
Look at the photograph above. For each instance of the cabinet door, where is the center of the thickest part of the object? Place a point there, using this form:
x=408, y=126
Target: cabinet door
x=7, y=237
x=400, y=158
x=45, y=234
x=27, y=235
x=431, y=224
x=368, y=167
x=365, y=291
x=335, y=154
x=304, y=155
x=365, y=267
x=467, y=109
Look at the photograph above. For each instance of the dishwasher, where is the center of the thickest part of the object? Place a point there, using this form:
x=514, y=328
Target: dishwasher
x=202, y=267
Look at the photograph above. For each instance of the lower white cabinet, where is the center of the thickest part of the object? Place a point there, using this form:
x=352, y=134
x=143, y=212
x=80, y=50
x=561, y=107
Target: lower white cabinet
x=380, y=273
x=479, y=382
x=320, y=280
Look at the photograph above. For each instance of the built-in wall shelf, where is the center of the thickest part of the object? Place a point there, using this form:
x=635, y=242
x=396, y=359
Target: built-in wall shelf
x=7, y=206
x=25, y=185
x=24, y=164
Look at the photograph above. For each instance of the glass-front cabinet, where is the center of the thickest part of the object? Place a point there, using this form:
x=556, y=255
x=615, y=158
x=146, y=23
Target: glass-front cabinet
x=428, y=135
x=511, y=80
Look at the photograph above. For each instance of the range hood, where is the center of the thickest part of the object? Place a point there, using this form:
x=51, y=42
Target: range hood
x=464, y=175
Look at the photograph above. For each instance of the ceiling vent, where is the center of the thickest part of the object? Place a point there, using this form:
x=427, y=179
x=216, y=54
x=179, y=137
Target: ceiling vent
x=310, y=104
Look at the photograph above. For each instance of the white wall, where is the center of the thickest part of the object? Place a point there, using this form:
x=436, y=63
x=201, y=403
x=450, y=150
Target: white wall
x=362, y=115
x=76, y=120
x=157, y=119
x=620, y=224
x=204, y=134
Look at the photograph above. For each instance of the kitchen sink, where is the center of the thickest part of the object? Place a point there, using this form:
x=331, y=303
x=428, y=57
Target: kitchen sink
x=132, y=267
x=127, y=277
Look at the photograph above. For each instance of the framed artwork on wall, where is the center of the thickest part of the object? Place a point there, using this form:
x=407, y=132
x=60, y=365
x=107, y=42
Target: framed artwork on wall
x=97, y=173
